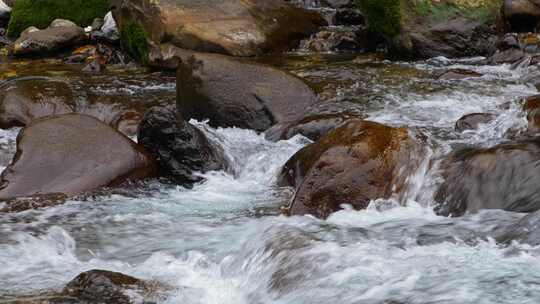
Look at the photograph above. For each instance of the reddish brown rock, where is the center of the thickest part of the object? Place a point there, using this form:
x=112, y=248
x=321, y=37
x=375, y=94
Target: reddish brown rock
x=23, y=100
x=531, y=106
x=354, y=164
x=70, y=154
x=233, y=27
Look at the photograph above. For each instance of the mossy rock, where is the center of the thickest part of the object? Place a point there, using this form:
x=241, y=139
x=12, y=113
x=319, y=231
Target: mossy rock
x=40, y=13
x=450, y=27
x=134, y=40
x=384, y=16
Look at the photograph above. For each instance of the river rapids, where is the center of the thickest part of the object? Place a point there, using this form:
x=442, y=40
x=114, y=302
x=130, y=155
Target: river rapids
x=225, y=242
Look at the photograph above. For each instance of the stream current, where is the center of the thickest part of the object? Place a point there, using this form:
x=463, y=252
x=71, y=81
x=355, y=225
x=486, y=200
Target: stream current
x=225, y=242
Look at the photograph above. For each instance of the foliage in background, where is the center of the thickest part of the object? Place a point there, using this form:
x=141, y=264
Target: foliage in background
x=40, y=13
x=384, y=16
x=134, y=40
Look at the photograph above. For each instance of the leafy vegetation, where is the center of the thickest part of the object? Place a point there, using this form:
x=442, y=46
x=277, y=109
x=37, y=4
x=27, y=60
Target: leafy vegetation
x=41, y=13
x=481, y=10
x=135, y=40
x=384, y=16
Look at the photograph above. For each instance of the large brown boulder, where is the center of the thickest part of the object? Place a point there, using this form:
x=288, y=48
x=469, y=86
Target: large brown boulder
x=234, y=93
x=71, y=154
x=502, y=177
x=25, y=99
x=354, y=164
x=522, y=15
x=59, y=35
x=233, y=27
x=531, y=106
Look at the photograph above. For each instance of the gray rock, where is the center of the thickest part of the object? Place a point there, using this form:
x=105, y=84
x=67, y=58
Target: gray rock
x=59, y=35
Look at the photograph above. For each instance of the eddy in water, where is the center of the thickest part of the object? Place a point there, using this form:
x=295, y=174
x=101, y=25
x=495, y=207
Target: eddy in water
x=269, y=151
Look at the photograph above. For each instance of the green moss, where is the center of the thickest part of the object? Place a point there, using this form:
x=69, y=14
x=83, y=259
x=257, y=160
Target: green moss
x=383, y=16
x=480, y=10
x=41, y=13
x=135, y=40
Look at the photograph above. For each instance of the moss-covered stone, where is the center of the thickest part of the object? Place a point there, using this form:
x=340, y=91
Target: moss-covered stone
x=134, y=39
x=481, y=10
x=40, y=13
x=429, y=28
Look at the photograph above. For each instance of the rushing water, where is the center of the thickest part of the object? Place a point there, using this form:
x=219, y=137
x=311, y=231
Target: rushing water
x=225, y=242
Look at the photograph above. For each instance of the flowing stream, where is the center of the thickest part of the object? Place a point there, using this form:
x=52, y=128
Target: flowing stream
x=225, y=242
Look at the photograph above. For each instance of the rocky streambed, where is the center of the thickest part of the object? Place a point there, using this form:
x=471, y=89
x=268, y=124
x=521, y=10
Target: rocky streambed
x=223, y=241
x=273, y=156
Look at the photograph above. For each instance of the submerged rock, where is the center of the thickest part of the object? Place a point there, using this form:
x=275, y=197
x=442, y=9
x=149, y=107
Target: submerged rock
x=25, y=99
x=456, y=74
x=101, y=287
x=234, y=93
x=472, y=121
x=179, y=148
x=70, y=154
x=59, y=35
x=502, y=177
x=234, y=27
x=527, y=231
x=312, y=126
x=358, y=162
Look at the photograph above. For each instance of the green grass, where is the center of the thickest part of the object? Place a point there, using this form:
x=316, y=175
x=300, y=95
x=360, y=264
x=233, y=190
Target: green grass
x=41, y=13
x=480, y=10
x=383, y=16
x=135, y=40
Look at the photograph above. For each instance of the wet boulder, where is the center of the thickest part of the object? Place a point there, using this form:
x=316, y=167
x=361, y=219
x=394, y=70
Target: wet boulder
x=522, y=15
x=527, y=231
x=458, y=74
x=70, y=154
x=180, y=149
x=101, y=286
x=108, y=32
x=59, y=35
x=431, y=28
x=317, y=121
x=234, y=27
x=473, y=121
x=358, y=162
x=502, y=177
x=511, y=55
x=25, y=99
x=234, y=93
x=531, y=106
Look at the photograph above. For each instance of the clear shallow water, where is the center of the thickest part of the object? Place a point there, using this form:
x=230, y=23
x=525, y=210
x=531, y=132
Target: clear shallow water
x=224, y=241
